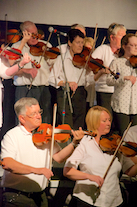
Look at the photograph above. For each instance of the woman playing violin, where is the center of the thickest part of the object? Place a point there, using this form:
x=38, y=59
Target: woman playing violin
x=93, y=163
x=57, y=79
x=8, y=72
x=123, y=100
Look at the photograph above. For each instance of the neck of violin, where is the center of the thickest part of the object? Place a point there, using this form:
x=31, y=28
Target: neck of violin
x=96, y=63
x=62, y=131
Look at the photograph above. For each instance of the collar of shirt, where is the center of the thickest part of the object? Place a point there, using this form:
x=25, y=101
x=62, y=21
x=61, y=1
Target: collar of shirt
x=25, y=132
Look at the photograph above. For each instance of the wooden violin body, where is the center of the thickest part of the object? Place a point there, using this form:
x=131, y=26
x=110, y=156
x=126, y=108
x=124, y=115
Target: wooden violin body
x=41, y=49
x=79, y=60
x=133, y=61
x=15, y=54
x=12, y=54
x=13, y=35
x=62, y=133
x=109, y=144
x=44, y=133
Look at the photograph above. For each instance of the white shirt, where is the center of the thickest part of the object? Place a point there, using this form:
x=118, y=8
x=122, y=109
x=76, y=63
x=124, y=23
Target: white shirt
x=18, y=144
x=90, y=159
x=3, y=69
x=43, y=72
x=124, y=98
x=72, y=73
x=105, y=54
x=131, y=135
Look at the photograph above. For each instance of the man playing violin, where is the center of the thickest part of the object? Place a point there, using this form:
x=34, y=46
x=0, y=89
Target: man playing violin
x=106, y=53
x=26, y=165
x=33, y=85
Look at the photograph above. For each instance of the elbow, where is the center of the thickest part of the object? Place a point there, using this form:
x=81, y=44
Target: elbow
x=132, y=172
x=65, y=171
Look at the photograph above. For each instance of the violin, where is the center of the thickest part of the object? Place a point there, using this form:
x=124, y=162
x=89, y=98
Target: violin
x=13, y=35
x=12, y=54
x=109, y=144
x=62, y=133
x=133, y=61
x=15, y=54
x=41, y=49
x=79, y=60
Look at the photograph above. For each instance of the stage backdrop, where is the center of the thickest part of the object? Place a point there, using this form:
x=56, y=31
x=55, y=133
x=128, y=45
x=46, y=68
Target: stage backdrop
x=67, y=12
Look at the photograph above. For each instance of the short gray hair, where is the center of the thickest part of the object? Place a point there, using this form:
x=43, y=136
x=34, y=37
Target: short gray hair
x=21, y=104
x=74, y=26
x=26, y=25
x=114, y=28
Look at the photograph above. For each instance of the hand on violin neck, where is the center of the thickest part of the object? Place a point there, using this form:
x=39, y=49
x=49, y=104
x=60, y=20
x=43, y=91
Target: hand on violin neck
x=26, y=59
x=100, y=73
x=77, y=135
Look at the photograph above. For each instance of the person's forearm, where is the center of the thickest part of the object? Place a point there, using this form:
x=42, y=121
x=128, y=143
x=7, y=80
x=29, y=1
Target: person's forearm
x=97, y=75
x=17, y=167
x=132, y=171
x=74, y=174
x=12, y=70
x=62, y=155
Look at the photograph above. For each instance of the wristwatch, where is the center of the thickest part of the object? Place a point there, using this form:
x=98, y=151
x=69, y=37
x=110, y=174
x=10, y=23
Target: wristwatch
x=20, y=67
x=74, y=145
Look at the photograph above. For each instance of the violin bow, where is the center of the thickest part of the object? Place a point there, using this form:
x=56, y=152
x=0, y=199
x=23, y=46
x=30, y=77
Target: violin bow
x=97, y=193
x=52, y=139
x=45, y=46
x=103, y=40
x=40, y=59
x=95, y=38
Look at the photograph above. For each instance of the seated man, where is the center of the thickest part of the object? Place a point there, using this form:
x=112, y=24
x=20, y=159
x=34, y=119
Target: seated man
x=26, y=166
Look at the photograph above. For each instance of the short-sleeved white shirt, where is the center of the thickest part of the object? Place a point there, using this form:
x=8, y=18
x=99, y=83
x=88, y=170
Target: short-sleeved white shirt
x=105, y=54
x=18, y=144
x=90, y=159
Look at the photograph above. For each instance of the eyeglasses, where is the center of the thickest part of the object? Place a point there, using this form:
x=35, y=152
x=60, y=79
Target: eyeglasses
x=33, y=115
